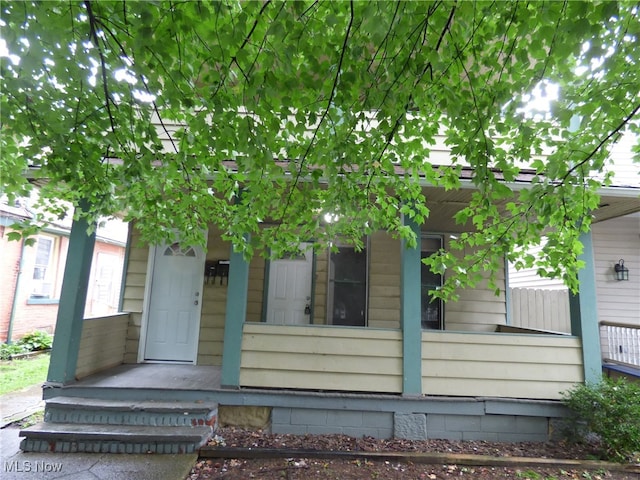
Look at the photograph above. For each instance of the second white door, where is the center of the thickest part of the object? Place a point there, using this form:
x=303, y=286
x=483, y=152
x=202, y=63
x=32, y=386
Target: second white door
x=289, y=289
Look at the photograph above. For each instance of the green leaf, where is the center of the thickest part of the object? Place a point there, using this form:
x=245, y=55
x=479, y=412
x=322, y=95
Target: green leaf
x=305, y=108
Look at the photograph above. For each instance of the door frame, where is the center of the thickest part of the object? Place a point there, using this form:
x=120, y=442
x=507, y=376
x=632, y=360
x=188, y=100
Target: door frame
x=146, y=302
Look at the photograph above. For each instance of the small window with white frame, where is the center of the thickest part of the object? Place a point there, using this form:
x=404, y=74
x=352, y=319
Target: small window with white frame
x=44, y=268
x=432, y=312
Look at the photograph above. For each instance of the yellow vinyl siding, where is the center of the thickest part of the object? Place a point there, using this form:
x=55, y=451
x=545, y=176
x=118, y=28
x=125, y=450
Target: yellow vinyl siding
x=214, y=304
x=102, y=343
x=212, y=325
x=133, y=295
x=136, y=275
x=384, y=281
x=324, y=358
x=500, y=365
x=478, y=309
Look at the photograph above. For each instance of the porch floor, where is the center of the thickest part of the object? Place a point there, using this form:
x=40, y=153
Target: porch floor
x=155, y=376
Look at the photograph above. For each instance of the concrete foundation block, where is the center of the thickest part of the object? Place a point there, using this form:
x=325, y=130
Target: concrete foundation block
x=380, y=420
x=244, y=416
x=535, y=425
x=498, y=423
x=344, y=418
x=280, y=415
x=463, y=423
x=435, y=422
x=410, y=426
x=306, y=416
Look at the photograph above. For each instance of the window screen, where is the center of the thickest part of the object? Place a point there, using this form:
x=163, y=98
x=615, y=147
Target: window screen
x=348, y=287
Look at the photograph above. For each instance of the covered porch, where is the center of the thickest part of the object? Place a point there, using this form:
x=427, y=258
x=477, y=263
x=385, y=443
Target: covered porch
x=324, y=379
x=405, y=381
x=511, y=362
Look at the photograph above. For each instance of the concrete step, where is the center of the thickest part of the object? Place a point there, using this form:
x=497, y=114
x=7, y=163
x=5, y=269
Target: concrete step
x=80, y=410
x=76, y=438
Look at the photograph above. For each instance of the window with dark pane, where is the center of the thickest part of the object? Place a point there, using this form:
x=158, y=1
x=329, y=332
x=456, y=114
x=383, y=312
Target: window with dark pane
x=348, y=287
x=431, y=308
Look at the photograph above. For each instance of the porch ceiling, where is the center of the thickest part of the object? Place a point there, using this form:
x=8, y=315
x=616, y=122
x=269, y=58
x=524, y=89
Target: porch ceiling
x=613, y=206
x=445, y=204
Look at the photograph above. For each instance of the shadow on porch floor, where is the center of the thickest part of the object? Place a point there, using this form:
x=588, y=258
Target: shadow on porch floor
x=155, y=376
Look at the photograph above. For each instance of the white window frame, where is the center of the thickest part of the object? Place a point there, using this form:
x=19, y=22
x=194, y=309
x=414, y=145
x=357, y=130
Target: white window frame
x=49, y=278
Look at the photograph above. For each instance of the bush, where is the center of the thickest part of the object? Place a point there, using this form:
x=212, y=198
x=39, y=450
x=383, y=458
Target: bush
x=6, y=350
x=609, y=409
x=36, y=341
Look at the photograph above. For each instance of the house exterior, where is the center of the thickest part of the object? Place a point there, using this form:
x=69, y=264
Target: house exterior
x=616, y=239
x=320, y=342
x=544, y=303
x=32, y=275
x=618, y=301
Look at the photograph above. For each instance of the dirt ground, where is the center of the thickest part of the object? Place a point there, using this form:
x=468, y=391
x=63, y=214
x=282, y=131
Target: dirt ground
x=344, y=469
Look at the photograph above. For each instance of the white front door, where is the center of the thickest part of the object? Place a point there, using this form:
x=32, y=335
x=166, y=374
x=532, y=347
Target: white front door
x=289, y=298
x=173, y=318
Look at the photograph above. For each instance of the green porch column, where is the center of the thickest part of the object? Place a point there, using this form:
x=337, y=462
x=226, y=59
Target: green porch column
x=410, y=314
x=584, y=314
x=234, y=319
x=66, y=343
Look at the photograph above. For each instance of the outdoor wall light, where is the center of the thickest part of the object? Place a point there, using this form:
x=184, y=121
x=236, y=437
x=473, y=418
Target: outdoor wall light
x=622, y=272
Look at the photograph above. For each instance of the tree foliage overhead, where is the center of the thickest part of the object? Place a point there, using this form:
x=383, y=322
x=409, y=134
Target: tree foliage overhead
x=262, y=117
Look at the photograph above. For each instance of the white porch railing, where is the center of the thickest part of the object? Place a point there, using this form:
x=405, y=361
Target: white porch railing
x=620, y=343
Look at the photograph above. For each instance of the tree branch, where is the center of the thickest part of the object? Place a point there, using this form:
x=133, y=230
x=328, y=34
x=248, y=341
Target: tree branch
x=334, y=88
x=601, y=144
x=93, y=34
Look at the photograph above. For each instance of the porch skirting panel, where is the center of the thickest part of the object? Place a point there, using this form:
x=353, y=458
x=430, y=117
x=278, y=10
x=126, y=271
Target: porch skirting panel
x=321, y=358
x=500, y=365
x=102, y=343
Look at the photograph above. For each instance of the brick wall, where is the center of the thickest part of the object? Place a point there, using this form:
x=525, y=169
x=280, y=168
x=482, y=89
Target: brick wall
x=9, y=264
x=30, y=316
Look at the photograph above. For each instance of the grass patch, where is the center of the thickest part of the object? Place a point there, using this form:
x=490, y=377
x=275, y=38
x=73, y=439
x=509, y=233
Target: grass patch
x=31, y=420
x=19, y=374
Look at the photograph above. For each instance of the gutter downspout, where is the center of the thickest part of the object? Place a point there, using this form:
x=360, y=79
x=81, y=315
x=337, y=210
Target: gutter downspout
x=14, y=303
